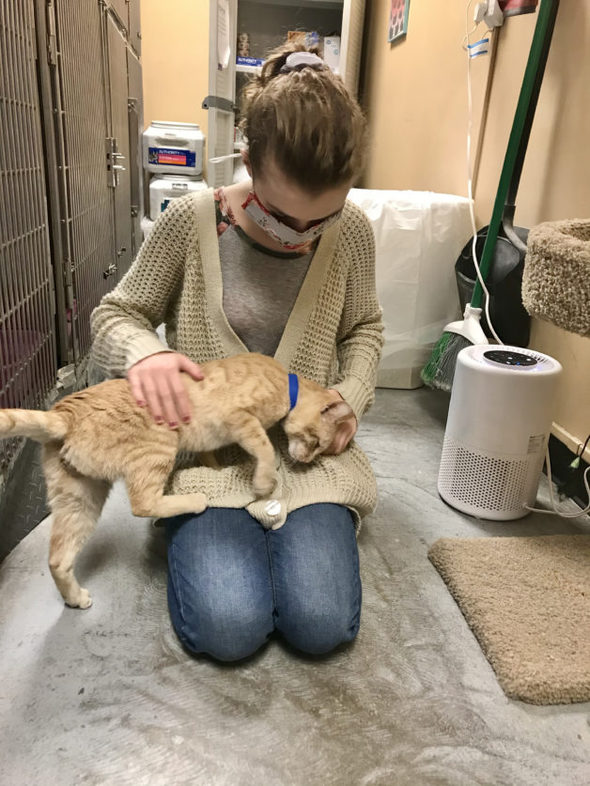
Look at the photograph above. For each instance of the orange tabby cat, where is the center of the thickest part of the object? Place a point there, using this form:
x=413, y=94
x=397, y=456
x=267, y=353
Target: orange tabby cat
x=92, y=438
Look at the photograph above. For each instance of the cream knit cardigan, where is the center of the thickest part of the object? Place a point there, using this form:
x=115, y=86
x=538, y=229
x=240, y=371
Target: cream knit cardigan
x=333, y=335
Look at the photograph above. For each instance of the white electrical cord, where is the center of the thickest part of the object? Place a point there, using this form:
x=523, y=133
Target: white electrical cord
x=465, y=41
x=559, y=512
x=465, y=45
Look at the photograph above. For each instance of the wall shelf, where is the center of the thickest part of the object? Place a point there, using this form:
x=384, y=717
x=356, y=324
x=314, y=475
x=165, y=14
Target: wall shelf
x=247, y=69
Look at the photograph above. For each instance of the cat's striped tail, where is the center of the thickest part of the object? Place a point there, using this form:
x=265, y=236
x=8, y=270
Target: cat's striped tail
x=38, y=425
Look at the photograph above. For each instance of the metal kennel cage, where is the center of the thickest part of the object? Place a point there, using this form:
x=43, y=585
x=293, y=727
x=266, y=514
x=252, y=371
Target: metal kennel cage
x=68, y=122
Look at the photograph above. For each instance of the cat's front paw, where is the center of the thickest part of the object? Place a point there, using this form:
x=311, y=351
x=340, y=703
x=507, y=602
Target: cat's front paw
x=81, y=600
x=264, y=484
x=199, y=502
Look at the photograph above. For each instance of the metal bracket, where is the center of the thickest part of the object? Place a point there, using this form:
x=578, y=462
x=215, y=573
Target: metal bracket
x=66, y=377
x=51, y=34
x=215, y=102
x=68, y=270
x=112, y=268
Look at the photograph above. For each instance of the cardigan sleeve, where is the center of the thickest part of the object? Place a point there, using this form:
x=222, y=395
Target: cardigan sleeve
x=360, y=334
x=123, y=325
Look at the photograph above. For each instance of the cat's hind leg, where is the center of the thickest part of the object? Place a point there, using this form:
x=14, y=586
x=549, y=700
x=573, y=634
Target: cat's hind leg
x=76, y=502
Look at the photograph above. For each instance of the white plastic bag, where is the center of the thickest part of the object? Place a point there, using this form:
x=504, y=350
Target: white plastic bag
x=418, y=235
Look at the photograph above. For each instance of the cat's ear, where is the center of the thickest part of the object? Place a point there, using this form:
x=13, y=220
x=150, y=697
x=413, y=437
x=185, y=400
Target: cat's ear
x=337, y=411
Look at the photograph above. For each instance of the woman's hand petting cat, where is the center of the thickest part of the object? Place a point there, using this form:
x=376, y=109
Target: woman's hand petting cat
x=345, y=431
x=156, y=383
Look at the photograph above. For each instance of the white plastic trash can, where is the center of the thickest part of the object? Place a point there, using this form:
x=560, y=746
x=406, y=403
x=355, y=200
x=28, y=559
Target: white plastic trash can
x=418, y=237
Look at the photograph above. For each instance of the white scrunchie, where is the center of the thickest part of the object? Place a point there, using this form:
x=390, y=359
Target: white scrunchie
x=298, y=60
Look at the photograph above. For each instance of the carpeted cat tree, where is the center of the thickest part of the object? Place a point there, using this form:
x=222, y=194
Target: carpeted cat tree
x=556, y=279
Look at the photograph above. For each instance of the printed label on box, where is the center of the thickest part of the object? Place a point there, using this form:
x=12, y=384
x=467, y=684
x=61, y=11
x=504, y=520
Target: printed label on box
x=170, y=156
x=249, y=61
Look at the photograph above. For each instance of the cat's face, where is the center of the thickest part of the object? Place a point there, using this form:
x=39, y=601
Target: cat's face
x=311, y=426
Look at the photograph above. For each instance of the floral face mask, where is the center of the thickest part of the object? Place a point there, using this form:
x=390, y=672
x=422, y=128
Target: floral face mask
x=283, y=234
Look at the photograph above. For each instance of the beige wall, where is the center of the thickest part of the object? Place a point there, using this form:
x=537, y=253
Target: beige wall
x=175, y=58
x=415, y=95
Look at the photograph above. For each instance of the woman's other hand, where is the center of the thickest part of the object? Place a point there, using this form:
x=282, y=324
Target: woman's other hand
x=345, y=431
x=156, y=383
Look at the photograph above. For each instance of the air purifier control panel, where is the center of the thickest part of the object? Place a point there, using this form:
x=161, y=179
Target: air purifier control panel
x=508, y=358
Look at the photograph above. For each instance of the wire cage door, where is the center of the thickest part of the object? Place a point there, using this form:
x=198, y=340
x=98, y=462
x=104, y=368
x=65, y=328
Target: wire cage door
x=28, y=361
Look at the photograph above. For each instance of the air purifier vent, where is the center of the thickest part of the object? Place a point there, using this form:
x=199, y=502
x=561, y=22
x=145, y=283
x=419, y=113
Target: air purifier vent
x=481, y=481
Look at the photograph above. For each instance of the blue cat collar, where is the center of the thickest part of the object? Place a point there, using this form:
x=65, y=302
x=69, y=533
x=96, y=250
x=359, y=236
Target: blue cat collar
x=293, y=390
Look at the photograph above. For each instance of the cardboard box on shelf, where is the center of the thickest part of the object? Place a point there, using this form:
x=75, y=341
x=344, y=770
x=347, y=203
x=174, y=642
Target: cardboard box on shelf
x=332, y=52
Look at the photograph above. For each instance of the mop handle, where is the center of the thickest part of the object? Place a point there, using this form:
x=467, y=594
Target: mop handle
x=521, y=125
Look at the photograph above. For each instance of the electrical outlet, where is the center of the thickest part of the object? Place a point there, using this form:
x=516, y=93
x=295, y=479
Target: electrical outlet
x=493, y=15
x=480, y=11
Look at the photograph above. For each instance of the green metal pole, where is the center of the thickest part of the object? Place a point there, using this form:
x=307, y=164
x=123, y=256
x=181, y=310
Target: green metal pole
x=545, y=21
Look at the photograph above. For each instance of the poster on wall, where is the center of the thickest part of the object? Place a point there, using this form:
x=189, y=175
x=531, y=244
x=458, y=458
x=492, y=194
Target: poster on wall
x=398, y=19
x=517, y=7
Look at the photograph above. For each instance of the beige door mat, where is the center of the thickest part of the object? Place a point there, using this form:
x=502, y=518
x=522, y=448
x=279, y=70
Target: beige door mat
x=528, y=602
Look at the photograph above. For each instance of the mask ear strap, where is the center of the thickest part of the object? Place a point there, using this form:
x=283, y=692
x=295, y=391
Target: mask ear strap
x=253, y=198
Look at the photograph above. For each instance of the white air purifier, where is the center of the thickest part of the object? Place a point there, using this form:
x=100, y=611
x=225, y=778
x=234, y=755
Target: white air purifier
x=500, y=415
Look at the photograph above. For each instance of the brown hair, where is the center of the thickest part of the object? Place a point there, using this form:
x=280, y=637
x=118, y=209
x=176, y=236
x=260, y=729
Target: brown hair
x=305, y=120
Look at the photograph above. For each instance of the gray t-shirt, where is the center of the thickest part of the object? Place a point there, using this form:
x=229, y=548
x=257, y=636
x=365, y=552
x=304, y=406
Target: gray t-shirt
x=259, y=288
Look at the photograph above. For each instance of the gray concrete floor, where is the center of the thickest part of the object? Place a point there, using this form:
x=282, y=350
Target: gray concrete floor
x=107, y=696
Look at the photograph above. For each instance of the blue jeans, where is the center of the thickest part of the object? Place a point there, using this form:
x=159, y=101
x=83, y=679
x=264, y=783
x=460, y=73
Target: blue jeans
x=231, y=582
